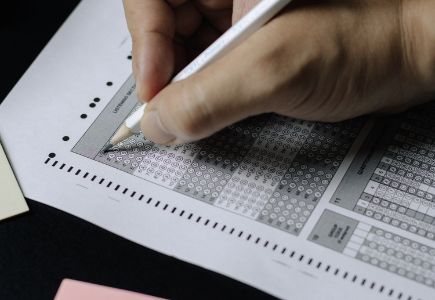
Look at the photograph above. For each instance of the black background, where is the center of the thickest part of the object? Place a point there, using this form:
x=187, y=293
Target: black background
x=40, y=248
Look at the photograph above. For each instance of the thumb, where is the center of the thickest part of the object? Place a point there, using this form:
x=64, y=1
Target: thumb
x=202, y=104
x=152, y=25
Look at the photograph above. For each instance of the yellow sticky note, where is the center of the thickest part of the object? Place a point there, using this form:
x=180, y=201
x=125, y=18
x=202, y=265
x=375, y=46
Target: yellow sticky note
x=11, y=198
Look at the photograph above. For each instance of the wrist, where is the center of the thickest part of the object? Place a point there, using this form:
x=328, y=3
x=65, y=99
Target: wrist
x=419, y=31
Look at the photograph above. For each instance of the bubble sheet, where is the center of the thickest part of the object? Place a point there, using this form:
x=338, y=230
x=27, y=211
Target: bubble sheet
x=399, y=255
x=127, y=155
x=373, y=245
x=259, y=173
x=166, y=165
x=161, y=165
x=308, y=176
x=270, y=168
x=401, y=191
x=214, y=165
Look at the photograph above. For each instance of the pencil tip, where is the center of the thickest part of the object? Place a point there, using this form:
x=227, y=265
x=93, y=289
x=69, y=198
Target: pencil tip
x=107, y=148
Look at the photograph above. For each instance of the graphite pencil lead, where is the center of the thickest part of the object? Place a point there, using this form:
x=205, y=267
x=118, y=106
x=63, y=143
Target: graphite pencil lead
x=108, y=148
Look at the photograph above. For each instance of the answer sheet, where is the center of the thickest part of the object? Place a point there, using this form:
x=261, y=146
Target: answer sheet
x=298, y=209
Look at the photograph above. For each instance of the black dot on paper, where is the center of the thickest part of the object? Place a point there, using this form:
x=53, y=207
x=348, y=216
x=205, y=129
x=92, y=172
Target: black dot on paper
x=52, y=155
x=84, y=116
x=97, y=99
x=92, y=105
x=65, y=138
x=129, y=57
x=109, y=83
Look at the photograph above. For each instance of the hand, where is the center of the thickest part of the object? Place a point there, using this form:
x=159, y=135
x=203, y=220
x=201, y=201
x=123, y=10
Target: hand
x=317, y=60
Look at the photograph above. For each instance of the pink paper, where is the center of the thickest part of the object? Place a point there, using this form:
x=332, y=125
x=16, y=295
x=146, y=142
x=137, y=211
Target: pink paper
x=77, y=290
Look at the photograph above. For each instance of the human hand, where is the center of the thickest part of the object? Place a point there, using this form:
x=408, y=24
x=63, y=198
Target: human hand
x=317, y=60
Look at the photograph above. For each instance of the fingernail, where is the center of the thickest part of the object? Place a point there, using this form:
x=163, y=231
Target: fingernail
x=154, y=130
x=141, y=92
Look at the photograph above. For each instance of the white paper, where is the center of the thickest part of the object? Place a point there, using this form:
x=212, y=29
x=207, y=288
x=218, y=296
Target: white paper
x=325, y=239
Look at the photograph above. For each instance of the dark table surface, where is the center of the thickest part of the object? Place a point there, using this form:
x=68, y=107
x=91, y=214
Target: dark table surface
x=40, y=248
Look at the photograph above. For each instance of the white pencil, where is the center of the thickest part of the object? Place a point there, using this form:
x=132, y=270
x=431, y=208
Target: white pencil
x=250, y=23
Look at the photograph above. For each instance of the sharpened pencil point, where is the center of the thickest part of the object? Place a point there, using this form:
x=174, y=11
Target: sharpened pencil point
x=107, y=148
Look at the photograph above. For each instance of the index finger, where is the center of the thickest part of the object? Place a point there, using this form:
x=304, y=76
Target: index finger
x=152, y=27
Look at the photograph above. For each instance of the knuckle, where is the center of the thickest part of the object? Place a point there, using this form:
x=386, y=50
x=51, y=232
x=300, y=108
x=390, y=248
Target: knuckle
x=292, y=75
x=306, y=72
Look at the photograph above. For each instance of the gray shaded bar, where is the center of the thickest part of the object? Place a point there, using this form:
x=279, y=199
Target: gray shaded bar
x=333, y=230
x=362, y=168
x=108, y=121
